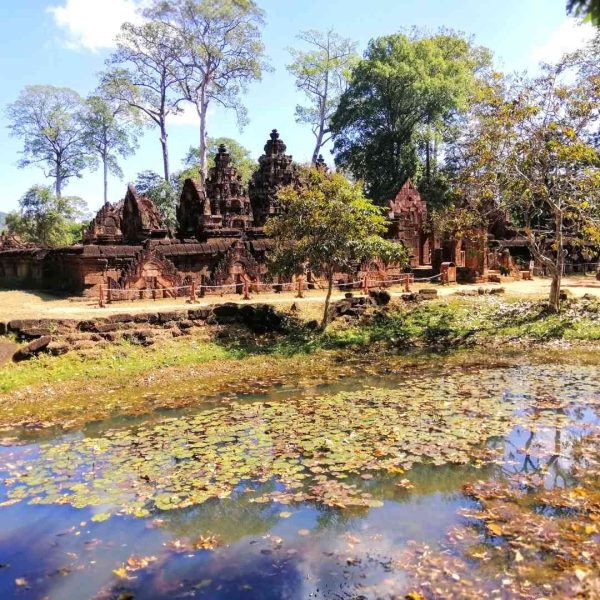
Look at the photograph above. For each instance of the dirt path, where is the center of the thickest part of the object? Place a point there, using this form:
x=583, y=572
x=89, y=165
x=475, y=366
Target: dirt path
x=19, y=304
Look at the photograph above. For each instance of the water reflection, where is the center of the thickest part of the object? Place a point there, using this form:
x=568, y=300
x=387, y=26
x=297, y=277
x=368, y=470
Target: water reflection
x=295, y=550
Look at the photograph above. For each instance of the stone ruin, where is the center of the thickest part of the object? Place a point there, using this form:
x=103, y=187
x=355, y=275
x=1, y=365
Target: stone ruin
x=219, y=239
x=275, y=169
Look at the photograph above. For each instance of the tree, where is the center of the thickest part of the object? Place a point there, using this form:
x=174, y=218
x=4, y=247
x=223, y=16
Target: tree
x=46, y=219
x=474, y=164
x=163, y=193
x=144, y=73
x=551, y=169
x=48, y=120
x=240, y=157
x=400, y=100
x=529, y=155
x=322, y=73
x=327, y=225
x=110, y=130
x=221, y=52
x=589, y=9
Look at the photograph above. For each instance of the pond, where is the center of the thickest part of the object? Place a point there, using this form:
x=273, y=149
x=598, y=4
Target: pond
x=372, y=487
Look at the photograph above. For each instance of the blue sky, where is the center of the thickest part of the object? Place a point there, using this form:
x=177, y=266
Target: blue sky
x=65, y=43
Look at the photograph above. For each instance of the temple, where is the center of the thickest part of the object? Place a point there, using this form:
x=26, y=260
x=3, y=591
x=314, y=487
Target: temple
x=219, y=239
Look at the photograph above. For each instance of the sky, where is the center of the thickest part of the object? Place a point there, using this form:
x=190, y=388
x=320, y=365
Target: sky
x=66, y=42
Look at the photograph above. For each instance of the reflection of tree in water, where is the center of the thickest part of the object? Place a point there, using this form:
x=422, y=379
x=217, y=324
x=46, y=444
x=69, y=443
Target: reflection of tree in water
x=229, y=519
x=566, y=441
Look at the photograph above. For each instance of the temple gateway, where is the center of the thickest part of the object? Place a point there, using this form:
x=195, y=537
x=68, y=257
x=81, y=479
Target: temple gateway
x=219, y=239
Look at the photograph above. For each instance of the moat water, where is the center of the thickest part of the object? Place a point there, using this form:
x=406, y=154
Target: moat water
x=132, y=529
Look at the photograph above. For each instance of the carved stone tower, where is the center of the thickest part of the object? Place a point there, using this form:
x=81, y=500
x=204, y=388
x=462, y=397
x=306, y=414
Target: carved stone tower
x=275, y=169
x=226, y=194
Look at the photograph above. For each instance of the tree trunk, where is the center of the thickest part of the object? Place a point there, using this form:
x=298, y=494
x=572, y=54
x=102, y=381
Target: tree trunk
x=58, y=184
x=325, y=320
x=427, y=161
x=559, y=265
x=105, y=173
x=202, y=110
x=318, y=145
x=165, y=150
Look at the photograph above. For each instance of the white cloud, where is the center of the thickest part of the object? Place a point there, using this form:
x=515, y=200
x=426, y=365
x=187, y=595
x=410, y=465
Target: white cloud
x=188, y=116
x=93, y=24
x=569, y=36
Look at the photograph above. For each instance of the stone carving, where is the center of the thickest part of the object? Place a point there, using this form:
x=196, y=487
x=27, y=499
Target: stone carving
x=105, y=228
x=149, y=270
x=141, y=219
x=237, y=264
x=11, y=241
x=220, y=236
x=226, y=194
x=275, y=169
x=193, y=211
x=407, y=213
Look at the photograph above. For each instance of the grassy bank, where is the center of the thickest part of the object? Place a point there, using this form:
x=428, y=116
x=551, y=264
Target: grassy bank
x=122, y=378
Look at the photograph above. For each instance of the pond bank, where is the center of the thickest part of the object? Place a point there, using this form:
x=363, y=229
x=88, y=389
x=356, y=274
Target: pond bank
x=124, y=378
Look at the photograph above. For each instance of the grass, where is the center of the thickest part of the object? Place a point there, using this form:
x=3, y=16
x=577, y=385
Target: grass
x=123, y=378
x=118, y=362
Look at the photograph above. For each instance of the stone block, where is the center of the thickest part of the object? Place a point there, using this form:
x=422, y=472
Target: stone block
x=428, y=293
x=199, y=314
x=32, y=349
x=166, y=317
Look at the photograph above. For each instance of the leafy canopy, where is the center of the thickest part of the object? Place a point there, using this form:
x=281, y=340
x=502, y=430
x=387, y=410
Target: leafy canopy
x=46, y=219
x=219, y=52
x=402, y=94
x=327, y=223
x=322, y=73
x=48, y=120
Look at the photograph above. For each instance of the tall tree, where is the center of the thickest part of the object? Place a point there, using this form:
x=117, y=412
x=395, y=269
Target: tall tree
x=240, y=157
x=529, y=154
x=221, y=52
x=551, y=170
x=322, y=73
x=111, y=130
x=328, y=225
x=46, y=219
x=474, y=163
x=402, y=95
x=48, y=120
x=144, y=72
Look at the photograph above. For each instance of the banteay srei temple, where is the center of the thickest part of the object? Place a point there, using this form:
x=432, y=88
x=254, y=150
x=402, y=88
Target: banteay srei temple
x=219, y=239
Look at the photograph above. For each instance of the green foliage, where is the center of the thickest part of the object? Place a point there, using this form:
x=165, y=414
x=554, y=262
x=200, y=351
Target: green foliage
x=240, y=159
x=219, y=51
x=143, y=73
x=110, y=130
x=396, y=112
x=527, y=154
x=474, y=161
x=3, y=216
x=588, y=9
x=327, y=225
x=322, y=73
x=45, y=219
x=164, y=194
x=49, y=121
